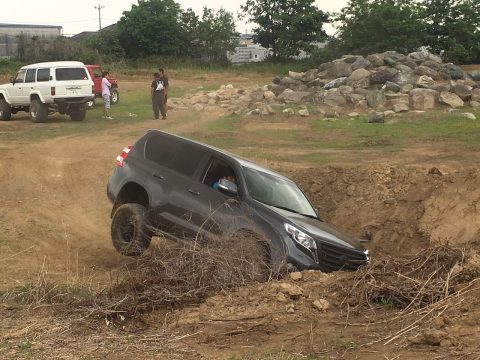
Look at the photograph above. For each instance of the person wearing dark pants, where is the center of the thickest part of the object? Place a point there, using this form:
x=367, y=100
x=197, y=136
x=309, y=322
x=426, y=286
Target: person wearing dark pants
x=158, y=96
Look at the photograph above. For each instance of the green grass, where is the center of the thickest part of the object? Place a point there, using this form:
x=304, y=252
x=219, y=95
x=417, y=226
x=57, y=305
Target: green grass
x=46, y=293
x=344, y=344
x=25, y=348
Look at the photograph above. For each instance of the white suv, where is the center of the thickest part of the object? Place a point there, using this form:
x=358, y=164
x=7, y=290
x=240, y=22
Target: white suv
x=45, y=88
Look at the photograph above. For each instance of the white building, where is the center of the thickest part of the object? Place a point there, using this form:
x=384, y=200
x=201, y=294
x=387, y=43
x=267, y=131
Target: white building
x=9, y=36
x=247, y=51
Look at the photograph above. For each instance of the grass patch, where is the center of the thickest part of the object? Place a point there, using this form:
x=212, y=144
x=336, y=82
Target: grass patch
x=344, y=344
x=46, y=293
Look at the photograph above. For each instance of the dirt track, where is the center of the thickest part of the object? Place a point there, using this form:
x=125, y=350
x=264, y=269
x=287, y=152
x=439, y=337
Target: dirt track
x=55, y=216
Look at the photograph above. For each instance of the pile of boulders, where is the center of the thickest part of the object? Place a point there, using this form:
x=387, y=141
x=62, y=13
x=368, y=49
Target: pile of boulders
x=385, y=83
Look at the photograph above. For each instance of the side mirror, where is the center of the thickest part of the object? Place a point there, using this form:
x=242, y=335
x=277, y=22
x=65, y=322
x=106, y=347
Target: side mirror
x=227, y=187
x=12, y=80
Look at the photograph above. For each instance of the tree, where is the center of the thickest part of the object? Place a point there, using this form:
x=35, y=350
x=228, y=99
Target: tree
x=453, y=28
x=370, y=26
x=152, y=27
x=216, y=35
x=286, y=26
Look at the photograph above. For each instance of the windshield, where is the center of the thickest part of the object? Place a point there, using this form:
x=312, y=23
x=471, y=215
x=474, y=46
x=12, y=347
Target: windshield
x=278, y=192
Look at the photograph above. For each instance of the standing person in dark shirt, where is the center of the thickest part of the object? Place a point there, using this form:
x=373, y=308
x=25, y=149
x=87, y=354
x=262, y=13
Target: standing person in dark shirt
x=158, y=92
x=164, y=78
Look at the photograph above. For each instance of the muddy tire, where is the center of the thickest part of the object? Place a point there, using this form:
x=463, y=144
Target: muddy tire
x=114, y=97
x=78, y=114
x=38, y=111
x=129, y=231
x=5, y=111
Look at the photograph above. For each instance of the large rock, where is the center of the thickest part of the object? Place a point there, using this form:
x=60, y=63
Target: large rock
x=394, y=55
x=310, y=75
x=295, y=75
x=375, y=98
x=397, y=98
x=432, y=65
x=376, y=118
x=334, y=99
x=289, y=82
x=425, y=81
x=381, y=77
x=476, y=95
x=335, y=83
x=475, y=75
x=463, y=91
x=361, y=63
x=453, y=71
x=349, y=59
x=424, y=70
x=359, y=74
x=450, y=99
x=294, y=96
x=376, y=59
x=400, y=108
x=422, y=99
x=405, y=77
x=418, y=56
x=393, y=87
x=339, y=69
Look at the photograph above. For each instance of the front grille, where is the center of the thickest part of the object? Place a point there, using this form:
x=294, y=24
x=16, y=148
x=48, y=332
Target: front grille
x=334, y=257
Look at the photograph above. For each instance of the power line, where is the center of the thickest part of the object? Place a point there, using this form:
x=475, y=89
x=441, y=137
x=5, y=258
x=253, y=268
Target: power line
x=99, y=8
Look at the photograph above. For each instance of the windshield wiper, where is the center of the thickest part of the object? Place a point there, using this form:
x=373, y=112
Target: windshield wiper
x=294, y=211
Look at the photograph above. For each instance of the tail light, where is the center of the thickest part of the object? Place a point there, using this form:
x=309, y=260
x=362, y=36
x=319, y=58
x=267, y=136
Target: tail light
x=93, y=89
x=121, y=158
x=52, y=91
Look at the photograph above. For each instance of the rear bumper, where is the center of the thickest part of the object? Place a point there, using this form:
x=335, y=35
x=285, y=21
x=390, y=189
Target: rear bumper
x=73, y=100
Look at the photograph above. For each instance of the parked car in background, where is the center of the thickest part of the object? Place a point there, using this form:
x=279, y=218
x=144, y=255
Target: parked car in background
x=181, y=188
x=96, y=72
x=44, y=88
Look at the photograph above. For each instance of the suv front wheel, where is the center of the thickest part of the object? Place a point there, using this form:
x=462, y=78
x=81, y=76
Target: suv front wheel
x=130, y=234
x=38, y=111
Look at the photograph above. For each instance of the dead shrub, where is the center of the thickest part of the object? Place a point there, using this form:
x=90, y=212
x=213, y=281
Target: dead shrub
x=411, y=282
x=184, y=273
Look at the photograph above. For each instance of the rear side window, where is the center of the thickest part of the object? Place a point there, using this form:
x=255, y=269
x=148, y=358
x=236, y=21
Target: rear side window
x=173, y=154
x=63, y=74
x=30, y=77
x=43, y=75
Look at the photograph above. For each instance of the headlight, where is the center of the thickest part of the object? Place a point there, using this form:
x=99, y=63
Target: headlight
x=301, y=238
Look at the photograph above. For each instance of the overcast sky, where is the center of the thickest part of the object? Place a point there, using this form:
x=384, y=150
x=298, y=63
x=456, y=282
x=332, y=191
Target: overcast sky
x=80, y=15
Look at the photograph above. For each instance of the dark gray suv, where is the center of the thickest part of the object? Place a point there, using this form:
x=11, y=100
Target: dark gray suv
x=166, y=184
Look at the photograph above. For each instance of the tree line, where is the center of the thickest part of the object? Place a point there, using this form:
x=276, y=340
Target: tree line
x=161, y=28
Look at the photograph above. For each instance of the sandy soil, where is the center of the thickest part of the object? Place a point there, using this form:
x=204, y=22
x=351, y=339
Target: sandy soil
x=54, y=221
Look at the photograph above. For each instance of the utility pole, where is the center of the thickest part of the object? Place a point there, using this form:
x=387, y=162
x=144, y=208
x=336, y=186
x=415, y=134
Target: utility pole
x=99, y=8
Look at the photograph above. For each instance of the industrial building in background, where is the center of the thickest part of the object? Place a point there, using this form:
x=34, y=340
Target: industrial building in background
x=11, y=33
x=247, y=51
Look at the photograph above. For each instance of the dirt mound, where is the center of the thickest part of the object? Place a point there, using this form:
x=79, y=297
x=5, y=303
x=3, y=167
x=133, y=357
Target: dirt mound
x=405, y=208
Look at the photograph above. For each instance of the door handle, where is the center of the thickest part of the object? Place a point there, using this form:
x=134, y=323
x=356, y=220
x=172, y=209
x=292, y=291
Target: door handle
x=158, y=176
x=194, y=192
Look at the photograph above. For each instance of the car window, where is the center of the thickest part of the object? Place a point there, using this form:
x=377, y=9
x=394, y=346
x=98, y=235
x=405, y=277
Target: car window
x=30, y=77
x=216, y=170
x=173, y=154
x=65, y=74
x=276, y=191
x=20, y=77
x=43, y=75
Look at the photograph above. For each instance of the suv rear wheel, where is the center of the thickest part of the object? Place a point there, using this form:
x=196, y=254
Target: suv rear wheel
x=114, y=96
x=130, y=234
x=78, y=113
x=5, y=111
x=38, y=111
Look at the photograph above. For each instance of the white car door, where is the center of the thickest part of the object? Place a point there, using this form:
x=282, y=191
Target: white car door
x=15, y=93
x=28, y=86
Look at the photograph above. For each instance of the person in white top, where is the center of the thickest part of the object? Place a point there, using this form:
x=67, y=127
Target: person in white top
x=106, y=95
